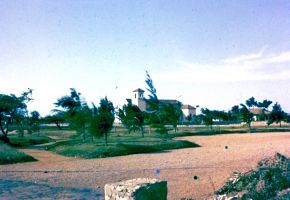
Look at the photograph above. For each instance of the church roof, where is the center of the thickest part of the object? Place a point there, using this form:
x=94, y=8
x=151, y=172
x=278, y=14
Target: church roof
x=138, y=90
x=258, y=111
x=187, y=107
x=169, y=101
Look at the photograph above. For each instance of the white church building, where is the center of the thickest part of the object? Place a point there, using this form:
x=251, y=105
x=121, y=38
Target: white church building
x=139, y=100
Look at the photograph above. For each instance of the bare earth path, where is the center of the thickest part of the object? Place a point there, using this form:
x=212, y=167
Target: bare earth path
x=212, y=164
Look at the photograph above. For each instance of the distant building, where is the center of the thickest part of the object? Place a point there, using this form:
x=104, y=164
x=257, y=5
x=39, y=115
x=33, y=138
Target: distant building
x=139, y=100
x=259, y=113
x=188, y=110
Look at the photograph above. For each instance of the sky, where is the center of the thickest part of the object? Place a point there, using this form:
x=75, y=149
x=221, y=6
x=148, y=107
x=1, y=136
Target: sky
x=214, y=54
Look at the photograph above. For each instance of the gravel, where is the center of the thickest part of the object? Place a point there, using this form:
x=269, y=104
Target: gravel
x=191, y=173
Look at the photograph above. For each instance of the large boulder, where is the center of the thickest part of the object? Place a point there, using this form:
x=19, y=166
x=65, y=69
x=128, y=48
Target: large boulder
x=137, y=189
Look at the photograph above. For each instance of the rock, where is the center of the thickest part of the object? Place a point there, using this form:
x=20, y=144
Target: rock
x=137, y=189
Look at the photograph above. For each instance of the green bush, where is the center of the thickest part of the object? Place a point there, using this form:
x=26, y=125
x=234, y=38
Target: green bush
x=9, y=155
x=29, y=140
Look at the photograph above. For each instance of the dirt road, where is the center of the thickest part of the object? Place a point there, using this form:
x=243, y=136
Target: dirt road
x=191, y=173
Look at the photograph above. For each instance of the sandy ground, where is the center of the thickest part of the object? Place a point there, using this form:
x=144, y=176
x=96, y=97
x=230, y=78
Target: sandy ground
x=212, y=164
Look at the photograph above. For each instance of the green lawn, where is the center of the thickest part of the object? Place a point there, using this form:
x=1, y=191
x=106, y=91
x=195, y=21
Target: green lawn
x=9, y=155
x=29, y=140
x=121, y=143
x=118, y=146
x=216, y=130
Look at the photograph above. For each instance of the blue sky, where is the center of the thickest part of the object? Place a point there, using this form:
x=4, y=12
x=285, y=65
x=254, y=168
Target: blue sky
x=215, y=54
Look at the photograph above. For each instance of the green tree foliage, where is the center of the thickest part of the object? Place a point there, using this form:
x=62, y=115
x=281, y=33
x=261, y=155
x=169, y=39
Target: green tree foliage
x=132, y=117
x=277, y=115
x=264, y=104
x=76, y=111
x=153, y=106
x=251, y=102
x=34, y=121
x=102, y=119
x=207, y=117
x=160, y=113
x=151, y=89
x=70, y=102
x=58, y=117
x=197, y=119
x=170, y=114
x=220, y=115
x=13, y=108
x=235, y=113
x=245, y=115
x=189, y=118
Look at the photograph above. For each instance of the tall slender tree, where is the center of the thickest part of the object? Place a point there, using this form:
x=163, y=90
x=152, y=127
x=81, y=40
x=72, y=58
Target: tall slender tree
x=207, y=117
x=103, y=119
x=245, y=115
x=34, y=121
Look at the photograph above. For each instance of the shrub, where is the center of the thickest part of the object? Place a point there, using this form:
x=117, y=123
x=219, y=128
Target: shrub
x=271, y=177
x=9, y=155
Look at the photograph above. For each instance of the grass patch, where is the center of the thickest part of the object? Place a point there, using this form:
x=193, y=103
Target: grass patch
x=9, y=155
x=225, y=130
x=92, y=150
x=28, y=140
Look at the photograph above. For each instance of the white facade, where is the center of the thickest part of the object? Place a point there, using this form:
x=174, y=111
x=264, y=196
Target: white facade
x=138, y=99
x=188, y=110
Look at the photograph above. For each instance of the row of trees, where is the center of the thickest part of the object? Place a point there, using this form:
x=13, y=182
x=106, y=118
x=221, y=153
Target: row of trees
x=98, y=120
x=243, y=113
x=84, y=119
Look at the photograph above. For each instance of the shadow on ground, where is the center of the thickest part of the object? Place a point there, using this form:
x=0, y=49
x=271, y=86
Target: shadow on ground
x=14, y=189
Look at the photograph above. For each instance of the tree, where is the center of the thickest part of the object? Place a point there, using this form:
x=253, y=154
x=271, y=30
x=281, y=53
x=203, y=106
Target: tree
x=235, y=112
x=34, y=121
x=251, y=102
x=58, y=117
x=132, y=117
x=103, y=119
x=153, y=99
x=245, y=115
x=264, y=104
x=189, y=118
x=160, y=113
x=70, y=102
x=76, y=111
x=171, y=114
x=276, y=115
x=12, y=108
x=153, y=106
x=220, y=115
x=207, y=117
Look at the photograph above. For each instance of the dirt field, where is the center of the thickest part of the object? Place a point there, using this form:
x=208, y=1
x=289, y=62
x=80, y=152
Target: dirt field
x=212, y=163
